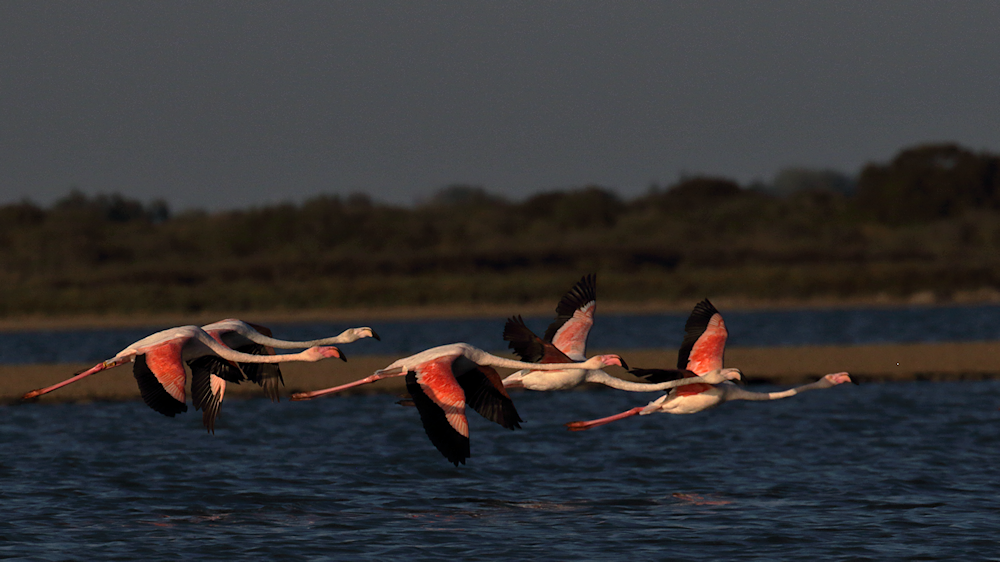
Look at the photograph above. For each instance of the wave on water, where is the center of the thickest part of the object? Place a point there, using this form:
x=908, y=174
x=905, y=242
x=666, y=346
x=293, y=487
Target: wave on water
x=880, y=471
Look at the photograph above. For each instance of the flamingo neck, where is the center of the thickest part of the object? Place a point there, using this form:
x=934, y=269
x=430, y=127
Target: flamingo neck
x=347, y=336
x=240, y=357
x=599, y=376
x=737, y=393
x=482, y=358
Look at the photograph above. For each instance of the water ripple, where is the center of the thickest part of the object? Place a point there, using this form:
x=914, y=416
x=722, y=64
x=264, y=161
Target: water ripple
x=850, y=473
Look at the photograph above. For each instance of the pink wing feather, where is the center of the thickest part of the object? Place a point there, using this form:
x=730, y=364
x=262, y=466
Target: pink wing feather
x=166, y=365
x=574, y=318
x=704, y=341
x=438, y=383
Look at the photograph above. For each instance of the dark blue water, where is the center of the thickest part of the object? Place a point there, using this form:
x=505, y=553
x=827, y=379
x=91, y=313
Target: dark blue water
x=905, y=471
x=616, y=332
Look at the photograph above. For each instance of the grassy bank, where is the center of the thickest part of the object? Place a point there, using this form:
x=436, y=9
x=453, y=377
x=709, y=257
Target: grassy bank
x=924, y=227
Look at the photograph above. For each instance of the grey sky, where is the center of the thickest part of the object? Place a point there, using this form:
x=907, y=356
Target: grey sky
x=230, y=104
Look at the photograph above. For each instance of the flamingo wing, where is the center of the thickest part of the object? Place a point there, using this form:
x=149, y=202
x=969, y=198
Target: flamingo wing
x=160, y=375
x=529, y=347
x=222, y=368
x=441, y=403
x=704, y=340
x=484, y=393
x=655, y=376
x=266, y=375
x=207, y=392
x=574, y=318
x=209, y=375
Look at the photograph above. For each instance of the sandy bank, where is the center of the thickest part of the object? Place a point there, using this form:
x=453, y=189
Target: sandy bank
x=788, y=365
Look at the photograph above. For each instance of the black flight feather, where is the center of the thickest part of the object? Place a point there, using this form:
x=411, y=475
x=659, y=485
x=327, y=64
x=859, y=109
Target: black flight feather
x=201, y=392
x=583, y=292
x=153, y=393
x=529, y=347
x=483, y=397
x=267, y=375
x=656, y=376
x=452, y=444
x=695, y=326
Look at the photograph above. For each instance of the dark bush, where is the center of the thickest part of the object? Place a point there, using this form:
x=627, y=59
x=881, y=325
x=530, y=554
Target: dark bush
x=927, y=221
x=929, y=182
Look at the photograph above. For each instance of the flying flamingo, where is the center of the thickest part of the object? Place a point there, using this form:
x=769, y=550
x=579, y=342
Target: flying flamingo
x=702, y=350
x=531, y=348
x=566, y=341
x=256, y=340
x=442, y=380
x=159, y=366
x=208, y=391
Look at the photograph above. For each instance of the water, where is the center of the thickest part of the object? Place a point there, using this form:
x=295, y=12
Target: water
x=876, y=472
x=615, y=332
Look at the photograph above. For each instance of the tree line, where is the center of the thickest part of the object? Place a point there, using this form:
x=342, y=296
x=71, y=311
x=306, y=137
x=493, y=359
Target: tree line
x=925, y=222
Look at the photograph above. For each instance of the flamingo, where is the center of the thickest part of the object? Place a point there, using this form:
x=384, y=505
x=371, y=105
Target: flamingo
x=159, y=367
x=207, y=392
x=531, y=348
x=702, y=350
x=256, y=340
x=442, y=380
x=566, y=341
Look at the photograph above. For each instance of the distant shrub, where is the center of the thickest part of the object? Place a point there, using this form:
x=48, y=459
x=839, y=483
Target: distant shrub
x=465, y=196
x=113, y=208
x=21, y=214
x=590, y=207
x=926, y=221
x=690, y=194
x=928, y=182
x=795, y=180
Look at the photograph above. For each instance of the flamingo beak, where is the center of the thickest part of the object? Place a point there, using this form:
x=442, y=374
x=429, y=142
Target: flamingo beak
x=374, y=335
x=342, y=356
x=624, y=364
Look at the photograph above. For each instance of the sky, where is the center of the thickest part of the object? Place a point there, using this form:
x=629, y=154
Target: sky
x=222, y=105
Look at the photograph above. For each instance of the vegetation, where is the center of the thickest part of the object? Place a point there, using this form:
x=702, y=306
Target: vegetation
x=928, y=221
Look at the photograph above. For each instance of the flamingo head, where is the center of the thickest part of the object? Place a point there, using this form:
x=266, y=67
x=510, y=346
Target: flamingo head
x=839, y=378
x=722, y=375
x=611, y=359
x=355, y=334
x=321, y=352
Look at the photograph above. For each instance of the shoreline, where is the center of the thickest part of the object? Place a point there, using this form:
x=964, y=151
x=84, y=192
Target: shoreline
x=772, y=365
x=445, y=311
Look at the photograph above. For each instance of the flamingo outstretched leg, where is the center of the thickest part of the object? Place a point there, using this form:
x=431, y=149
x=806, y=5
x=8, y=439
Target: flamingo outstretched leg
x=379, y=375
x=582, y=425
x=109, y=364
